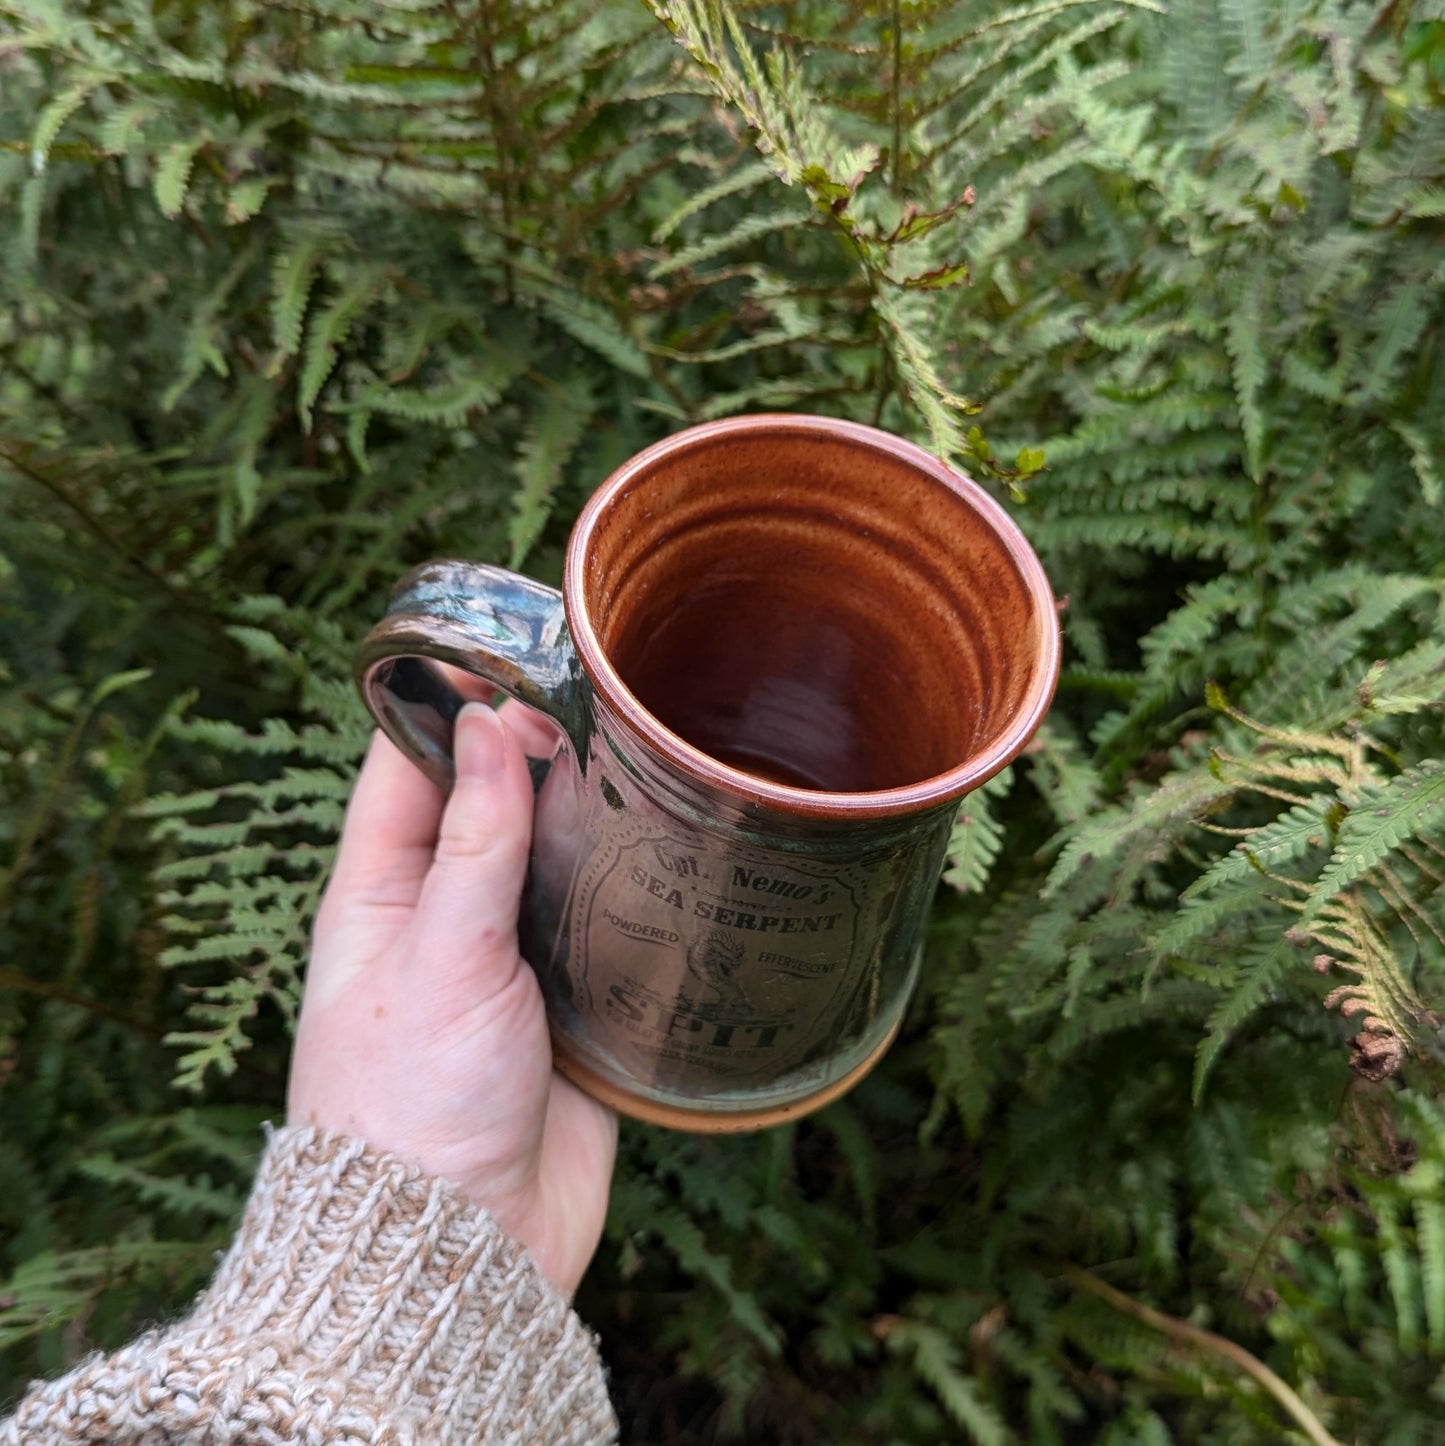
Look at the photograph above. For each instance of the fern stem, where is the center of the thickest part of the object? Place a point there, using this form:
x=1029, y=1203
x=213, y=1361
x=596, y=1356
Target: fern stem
x=93, y=525
x=1399, y=898
x=1420, y=863
x=897, y=99
x=484, y=49
x=1193, y=1335
x=13, y=979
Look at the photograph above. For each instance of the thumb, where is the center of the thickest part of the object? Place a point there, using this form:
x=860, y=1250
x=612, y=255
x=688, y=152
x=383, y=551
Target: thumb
x=466, y=921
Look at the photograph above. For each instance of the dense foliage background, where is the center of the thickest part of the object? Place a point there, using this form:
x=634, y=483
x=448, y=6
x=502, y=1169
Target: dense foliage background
x=293, y=296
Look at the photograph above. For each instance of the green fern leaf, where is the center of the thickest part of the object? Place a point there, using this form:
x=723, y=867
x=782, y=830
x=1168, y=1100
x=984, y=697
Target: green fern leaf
x=1323, y=647
x=1403, y=319
x=750, y=228
x=597, y=329
x=1400, y=1271
x=1069, y=783
x=31, y=210
x=954, y=273
x=935, y=1357
x=974, y=843
x=52, y=118
x=683, y=1238
x=1307, y=377
x=259, y=643
x=917, y=372
x=1186, y=631
x=245, y=198
x=1204, y=918
x=207, y=1052
x=294, y=275
x=1242, y=337
x=328, y=331
x=747, y=177
x=123, y=125
x=1403, y=809
x=1175, y=802
x=962, y=1072
x=1408, y=684
x=1427, y=203
x=173, y=173
x=1425, y=460
x=54, y=1287
x=1243, y=23
x=1301, y=827
x=186, y=1197
x=1251, y=988
x=1094, y=1018
x=1352, y=1268
x=475, y=387
x=1429, y=1208
x=551, y=440
x=858, y=1153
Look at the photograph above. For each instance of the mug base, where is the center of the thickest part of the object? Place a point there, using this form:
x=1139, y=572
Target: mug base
x=701, y=1119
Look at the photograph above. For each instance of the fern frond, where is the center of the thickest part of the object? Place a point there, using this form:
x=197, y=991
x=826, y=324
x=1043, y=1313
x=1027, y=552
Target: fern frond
x=974, y=843
x=244, y=887
x=749, y=228
x=56, y=112
x=1405, y=808
x=1400, y=1272
x=1301, y=827
x=1252, y=985
x=1200, y=918
x=1323, y=647
x=294, y=274
x=189, y=1197
x=917, y=373
x=1186, y=631
x=597, y=329
x=1381, y=993
x=1148, y=819
x=173, y=173
x=475, y=386
x=740, y=179
x=561, y=420
x=328, y=331
x=1069, y=783
x=1114, y=1014
x=936, y=1359
x=1242, y=335
x=1404, y=316
x=1429, y=1211
x=687, y=1243
x=52, y=1288
x=1425, y=460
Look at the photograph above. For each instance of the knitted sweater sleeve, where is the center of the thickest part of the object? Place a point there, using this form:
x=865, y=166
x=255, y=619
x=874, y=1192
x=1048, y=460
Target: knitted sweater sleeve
x=361, y=1302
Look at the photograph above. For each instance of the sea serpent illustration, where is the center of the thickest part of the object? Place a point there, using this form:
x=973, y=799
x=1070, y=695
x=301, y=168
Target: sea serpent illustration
x=715, y=958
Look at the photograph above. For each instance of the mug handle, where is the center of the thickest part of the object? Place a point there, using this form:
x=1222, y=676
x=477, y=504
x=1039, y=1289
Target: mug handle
x=504, y=629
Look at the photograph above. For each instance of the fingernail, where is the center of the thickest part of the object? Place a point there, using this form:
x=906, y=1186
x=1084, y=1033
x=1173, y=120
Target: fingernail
x=480, y=743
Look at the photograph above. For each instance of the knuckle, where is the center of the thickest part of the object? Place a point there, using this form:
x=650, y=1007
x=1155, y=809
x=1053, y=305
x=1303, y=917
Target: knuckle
x=479, y=847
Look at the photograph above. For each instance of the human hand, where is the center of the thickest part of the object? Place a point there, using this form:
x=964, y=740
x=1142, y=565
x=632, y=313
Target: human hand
x=422, y=1028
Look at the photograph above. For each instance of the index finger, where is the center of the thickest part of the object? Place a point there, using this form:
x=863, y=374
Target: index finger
x=390, y=830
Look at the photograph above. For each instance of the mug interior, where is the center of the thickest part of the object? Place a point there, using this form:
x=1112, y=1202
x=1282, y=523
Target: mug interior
x=816, y=604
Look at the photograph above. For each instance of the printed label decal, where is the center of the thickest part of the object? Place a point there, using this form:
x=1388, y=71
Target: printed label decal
x=695, y=966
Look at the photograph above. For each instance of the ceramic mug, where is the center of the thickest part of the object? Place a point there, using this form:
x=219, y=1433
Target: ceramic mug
x=785, y=648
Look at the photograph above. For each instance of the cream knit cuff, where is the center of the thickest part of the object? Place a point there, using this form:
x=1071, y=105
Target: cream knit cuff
x=393, y=1285
x=361, y=1304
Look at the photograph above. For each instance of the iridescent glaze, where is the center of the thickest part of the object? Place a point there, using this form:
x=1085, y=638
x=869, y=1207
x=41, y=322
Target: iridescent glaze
x=784, y=650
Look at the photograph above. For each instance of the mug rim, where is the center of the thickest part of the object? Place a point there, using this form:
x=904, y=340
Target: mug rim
x=700, y=767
